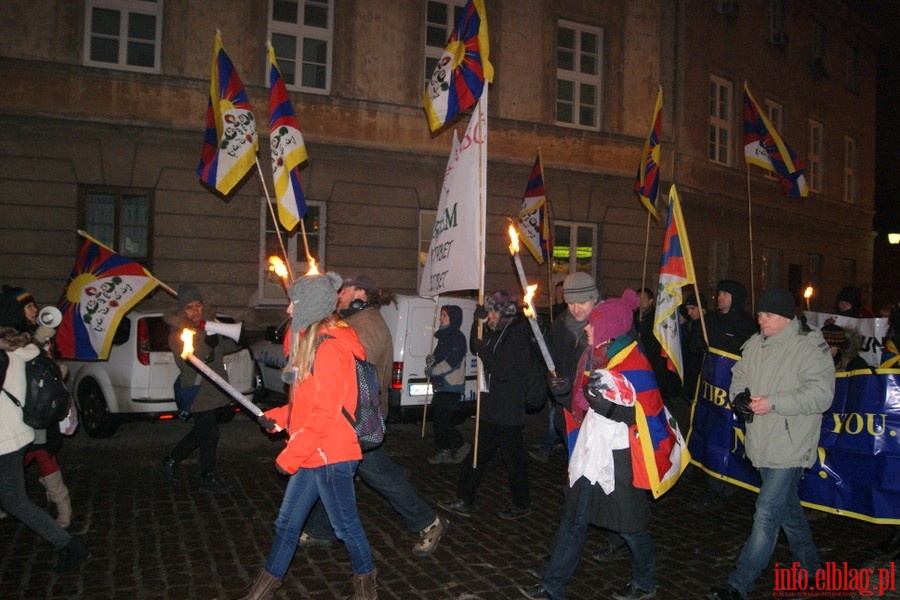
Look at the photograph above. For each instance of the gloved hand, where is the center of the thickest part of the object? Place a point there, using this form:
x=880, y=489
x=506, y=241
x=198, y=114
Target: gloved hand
x=43, y=334
x=560, y=386
x=429, y=361
x=593, y=389
x=480, y=312
x=266, y=423
x=741, y=406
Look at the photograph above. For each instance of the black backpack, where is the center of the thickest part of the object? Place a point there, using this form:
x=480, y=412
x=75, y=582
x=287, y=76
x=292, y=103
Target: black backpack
x=536, y=390
x=46, y=396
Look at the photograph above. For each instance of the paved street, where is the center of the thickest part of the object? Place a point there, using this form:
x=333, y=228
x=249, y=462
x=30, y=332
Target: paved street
x=151, y=541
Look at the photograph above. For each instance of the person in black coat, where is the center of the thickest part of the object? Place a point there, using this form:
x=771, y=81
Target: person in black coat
x=504, y=354
x=730, y=325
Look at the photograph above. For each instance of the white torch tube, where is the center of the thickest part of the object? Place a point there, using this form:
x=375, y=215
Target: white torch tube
x=226, y=387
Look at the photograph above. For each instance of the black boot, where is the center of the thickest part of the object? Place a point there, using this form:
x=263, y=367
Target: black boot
x=71, y=555
x=166, y=468
x=211, y=483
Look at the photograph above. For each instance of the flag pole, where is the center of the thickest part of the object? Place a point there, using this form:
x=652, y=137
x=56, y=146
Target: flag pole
x=161, y=284
x=284, y=253
x=646, y=254
x=750, y=230
x=482, y=202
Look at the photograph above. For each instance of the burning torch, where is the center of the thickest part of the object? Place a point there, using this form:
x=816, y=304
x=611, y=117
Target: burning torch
x=527, y=306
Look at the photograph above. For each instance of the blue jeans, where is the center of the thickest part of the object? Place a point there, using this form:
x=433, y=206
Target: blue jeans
x=334, y=484
x=15, y=501
x=568, y=542
x=388, y=479
x=777, y=507
x=553, y=437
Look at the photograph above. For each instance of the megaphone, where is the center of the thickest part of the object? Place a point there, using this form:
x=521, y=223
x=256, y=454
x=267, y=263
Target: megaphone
x=50, y=316
x=232, y=330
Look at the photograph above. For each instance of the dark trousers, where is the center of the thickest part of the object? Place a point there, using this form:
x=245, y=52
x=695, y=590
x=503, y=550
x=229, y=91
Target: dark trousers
x=444, y=416
x=205, y=436
x=508, y=440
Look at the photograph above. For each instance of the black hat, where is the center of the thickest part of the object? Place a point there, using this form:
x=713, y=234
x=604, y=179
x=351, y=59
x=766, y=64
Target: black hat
x=777, y=301
x=13, y=301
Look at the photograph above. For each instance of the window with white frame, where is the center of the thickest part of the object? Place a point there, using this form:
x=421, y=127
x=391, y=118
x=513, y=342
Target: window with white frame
x=774, y=112
x=851, y=170
x=574, y=248
x=720, y=117
x=851, y=68
x=123, y=34
x=301, y=33
x=119, y=218
x=719, y=262
x=440, y=19
x=579, y=63
x=816, y=169
x=271, y=288
x=771, y=268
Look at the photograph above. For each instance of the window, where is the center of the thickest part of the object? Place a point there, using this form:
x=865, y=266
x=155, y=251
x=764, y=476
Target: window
x=271, y=289
x=771, y=267
x=719, y=262
x=728, y=8
x=574, y=248
x=440, y=19
x=774, y=112
x=848, y=269
x=301, y=32
x=777, y=35
x=851, y=170
x=851, y=68
x=123, y=34
x=816, y=155
x=719, y=120
x=816, y=267
x=579, y=60
x=817, y=51
x=118, y=218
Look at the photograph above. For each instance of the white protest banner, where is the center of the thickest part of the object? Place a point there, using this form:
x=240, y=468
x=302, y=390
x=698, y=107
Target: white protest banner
x=872, y=331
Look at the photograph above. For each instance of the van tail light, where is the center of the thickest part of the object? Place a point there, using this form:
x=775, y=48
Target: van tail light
x=143, y=343
x=397, y=376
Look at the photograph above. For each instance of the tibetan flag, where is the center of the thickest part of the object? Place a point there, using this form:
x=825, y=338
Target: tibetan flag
x=103, y=287
x=646, y=184
x=288, y=150
x=231, y=143
x=534, y=221
x=764, y=148
x=460, y=75
x=659, y=454
x=675, y=272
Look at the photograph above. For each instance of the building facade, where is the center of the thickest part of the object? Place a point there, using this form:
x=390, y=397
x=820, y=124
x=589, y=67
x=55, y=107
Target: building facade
x=105, y=105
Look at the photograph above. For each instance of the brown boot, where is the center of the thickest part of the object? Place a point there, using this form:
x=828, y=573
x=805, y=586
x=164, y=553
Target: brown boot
x=58, y=494
x=365, y=587
x=264, y=586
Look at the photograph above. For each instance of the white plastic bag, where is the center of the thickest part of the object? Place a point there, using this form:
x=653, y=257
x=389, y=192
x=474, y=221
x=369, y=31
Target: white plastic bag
x=69, y=425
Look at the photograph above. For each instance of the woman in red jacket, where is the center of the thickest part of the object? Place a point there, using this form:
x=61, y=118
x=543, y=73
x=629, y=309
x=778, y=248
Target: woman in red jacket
x=322, y=450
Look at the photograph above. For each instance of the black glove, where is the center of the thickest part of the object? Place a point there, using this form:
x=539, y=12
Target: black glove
x=594, y=389
x=266, y=423
x=560, y=386
x=741, y=406
x=480, y=312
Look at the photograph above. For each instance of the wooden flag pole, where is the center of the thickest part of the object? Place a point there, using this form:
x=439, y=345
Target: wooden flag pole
x=161, y=284
x=750, y=228
x=284, y=253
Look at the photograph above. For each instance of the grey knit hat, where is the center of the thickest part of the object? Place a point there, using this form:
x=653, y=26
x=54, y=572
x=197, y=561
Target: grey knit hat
x=188, y=293
x=777, y=301
x=579, y=287
x=314, y=298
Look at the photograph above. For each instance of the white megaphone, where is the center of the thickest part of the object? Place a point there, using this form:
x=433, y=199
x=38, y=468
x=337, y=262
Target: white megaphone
x=50, y=316
x=232, y=330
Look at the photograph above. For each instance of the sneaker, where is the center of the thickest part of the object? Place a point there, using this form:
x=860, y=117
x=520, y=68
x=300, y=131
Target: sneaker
x=538, y=455
x=629, y=592
x=211, y=483
x=460, y=507
x=71, y=555
x=514, y=512
x=442, y=456
x=610, y=553
x=307, y=540
x=725, y=592
x=460, y=453
x=431, y=536
x=535, y=592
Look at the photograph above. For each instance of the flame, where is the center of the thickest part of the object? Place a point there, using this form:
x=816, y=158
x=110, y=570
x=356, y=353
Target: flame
x=513, y=239
x=313, y=268
x=277, y=266
x=527, y=306
x=808, y=292
x=187, y=337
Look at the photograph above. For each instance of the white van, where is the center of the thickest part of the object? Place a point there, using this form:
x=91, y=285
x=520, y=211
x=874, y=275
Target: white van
x=412, y=321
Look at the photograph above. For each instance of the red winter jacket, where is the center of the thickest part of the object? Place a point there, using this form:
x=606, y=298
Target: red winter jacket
x=318, y=432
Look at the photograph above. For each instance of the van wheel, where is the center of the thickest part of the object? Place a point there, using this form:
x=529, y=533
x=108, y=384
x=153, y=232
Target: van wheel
x=95, y=415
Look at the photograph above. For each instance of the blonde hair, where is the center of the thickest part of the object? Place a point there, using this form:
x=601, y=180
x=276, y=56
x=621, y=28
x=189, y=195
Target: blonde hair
x=303, y=350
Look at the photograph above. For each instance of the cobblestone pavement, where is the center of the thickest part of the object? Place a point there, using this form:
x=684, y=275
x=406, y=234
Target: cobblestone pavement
x=151, y=541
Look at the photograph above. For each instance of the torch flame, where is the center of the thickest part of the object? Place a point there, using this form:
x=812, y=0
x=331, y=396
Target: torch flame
x=187, y=337
x=808, y=292
x=277, y=266
x=527, y=306
x=513, y=239
x=313, y=269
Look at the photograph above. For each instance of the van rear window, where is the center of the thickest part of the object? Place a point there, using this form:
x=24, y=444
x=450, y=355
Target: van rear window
x=158, y=332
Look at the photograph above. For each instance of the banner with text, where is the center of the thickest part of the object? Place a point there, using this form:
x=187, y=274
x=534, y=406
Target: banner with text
x=855, y=474
x=872, y=331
